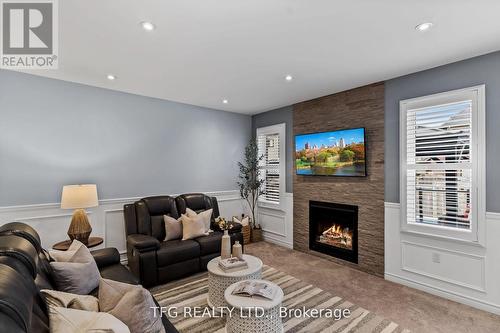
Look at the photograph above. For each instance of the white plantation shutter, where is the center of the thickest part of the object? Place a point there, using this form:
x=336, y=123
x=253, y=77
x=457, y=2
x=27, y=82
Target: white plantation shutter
x=440, y=166
x=269, y=146
x=439, y=179
x=270, y=142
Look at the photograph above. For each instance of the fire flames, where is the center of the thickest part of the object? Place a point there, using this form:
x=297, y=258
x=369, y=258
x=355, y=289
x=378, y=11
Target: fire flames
x=338, y=236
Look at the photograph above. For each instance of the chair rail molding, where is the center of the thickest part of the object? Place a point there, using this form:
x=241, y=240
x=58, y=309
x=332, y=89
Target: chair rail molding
x=107, y=221
x=460, y=271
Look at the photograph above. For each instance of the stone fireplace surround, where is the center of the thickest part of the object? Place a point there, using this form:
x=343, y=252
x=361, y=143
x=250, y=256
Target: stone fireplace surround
x=360, y=107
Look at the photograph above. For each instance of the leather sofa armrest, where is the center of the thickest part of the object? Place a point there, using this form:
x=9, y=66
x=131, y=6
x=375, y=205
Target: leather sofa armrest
x=106, y=257
x=17, y=294
x=143, y=243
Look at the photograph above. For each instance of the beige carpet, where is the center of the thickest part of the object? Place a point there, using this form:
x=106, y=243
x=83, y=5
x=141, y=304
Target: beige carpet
x=192, y=292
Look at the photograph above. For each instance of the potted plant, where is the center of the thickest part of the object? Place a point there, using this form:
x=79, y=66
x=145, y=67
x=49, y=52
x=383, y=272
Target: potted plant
x=251, y=183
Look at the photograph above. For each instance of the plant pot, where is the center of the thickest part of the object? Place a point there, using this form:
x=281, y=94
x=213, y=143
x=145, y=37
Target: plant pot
x=256, y=235
x=247, y=234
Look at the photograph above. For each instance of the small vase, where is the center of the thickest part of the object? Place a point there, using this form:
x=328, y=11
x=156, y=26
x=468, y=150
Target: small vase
x=225, y=246
x=237, y=250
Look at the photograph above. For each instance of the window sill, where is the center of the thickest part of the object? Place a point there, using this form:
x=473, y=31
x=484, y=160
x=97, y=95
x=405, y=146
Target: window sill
x=444, y=238
x=268, y=205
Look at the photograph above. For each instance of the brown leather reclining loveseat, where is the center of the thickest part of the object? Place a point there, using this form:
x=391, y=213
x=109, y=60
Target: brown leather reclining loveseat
x=154, y=260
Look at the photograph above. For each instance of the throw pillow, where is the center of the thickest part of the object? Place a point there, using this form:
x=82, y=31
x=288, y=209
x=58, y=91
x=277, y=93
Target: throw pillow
x=173, y=228
x=122, y=300
x=67, y=300
x=193, y=227
x=205, y=215
x=244, y=221
x=190, y=212
x=66, y=255
x=63, y=320
x=77, y=271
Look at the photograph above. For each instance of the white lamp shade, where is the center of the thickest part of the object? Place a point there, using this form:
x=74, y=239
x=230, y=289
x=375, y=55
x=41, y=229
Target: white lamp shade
x=79, y=196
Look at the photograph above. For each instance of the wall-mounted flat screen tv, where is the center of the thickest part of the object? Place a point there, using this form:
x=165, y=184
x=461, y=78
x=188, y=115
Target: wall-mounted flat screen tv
x=338, y=153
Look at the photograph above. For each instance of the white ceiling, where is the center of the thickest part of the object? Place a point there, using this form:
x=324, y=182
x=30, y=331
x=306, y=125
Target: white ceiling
x=208, y=50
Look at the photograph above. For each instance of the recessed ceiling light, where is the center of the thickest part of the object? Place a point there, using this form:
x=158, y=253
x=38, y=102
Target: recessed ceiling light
x=225, y=101
x=148, y=26
x=424, y=26
x=111, y=77
x=289, y=78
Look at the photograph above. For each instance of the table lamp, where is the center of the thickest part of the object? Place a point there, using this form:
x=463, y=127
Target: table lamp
x=78, y=197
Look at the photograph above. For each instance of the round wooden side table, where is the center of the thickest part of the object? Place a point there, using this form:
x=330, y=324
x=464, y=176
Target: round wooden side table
x=64, y=245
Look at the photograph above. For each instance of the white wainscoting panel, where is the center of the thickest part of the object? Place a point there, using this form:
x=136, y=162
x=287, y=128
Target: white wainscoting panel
x=114, y=229
x=460, y=271
x=106, y=220
x=277, y=224
x=445, y=265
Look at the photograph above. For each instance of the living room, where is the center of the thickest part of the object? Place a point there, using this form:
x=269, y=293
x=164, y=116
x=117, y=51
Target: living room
x=188, y=166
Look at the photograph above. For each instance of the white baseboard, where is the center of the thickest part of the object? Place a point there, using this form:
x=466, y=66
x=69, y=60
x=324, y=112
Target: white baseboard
x=457, y=297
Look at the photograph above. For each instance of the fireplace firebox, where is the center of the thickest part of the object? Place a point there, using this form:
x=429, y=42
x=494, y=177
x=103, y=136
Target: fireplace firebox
x=333, y=229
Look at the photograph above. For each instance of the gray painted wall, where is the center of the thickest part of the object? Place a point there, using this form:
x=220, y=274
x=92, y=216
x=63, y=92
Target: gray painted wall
x=480, y=70
x=282, y=115
x=54, y=133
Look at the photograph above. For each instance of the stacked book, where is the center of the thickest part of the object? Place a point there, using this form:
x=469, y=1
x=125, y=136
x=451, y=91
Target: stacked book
x=232, y=264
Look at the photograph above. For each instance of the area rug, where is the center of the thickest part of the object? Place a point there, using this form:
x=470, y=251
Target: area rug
x=192, y=293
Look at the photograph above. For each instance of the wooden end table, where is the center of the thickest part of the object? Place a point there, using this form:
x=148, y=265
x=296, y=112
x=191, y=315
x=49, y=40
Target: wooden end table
x=64, y=245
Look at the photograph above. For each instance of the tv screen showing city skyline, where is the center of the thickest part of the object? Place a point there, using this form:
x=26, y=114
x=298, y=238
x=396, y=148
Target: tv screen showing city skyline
x=337, y=153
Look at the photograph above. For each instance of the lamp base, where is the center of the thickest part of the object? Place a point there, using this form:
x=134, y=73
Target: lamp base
x=80, y=228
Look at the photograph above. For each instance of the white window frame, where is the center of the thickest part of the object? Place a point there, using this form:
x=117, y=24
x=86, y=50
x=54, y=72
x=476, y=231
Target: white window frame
x=477, y=232
x=279, y=129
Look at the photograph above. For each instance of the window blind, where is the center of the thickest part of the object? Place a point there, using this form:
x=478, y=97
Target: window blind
x=439, y=169
x=269, y=147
